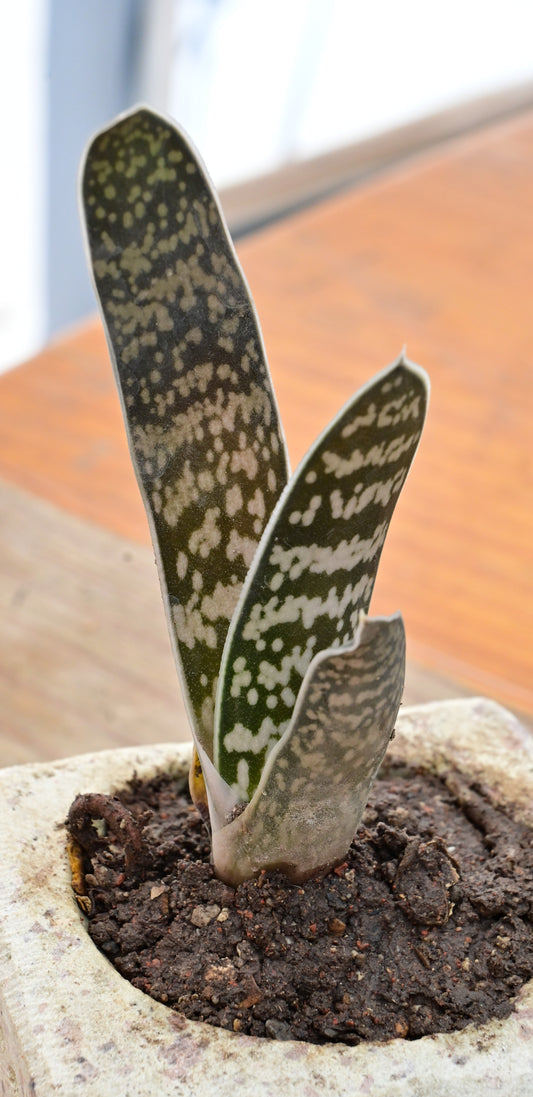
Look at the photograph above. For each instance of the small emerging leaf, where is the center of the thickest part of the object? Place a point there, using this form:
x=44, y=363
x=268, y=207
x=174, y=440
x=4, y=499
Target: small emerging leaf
x=201, y=416
x=316, y=781
x=315, y=568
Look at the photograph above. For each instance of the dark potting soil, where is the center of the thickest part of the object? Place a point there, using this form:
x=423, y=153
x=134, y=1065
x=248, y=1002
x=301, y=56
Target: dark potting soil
x=426, y=927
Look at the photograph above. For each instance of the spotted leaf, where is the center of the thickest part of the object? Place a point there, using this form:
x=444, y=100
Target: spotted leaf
x=315, y=569
x=318, y=776
x=200, y=412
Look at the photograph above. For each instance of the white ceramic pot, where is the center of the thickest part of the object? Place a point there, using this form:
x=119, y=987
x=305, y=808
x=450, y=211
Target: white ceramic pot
x=71, y=1025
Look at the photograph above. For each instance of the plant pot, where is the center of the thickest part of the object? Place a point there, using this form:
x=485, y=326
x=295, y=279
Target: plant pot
x=71, y=1024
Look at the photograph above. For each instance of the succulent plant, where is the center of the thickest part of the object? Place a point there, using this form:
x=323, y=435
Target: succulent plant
x=292, y=690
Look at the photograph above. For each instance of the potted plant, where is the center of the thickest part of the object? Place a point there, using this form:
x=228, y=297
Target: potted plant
x=293, y=692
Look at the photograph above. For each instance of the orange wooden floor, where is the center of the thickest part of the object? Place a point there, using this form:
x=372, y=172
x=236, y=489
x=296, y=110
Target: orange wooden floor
x=436, y=256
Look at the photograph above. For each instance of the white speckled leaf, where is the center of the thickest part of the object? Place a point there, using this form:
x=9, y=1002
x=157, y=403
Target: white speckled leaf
x=185, y=342
x=315, y=569
x=316, y=781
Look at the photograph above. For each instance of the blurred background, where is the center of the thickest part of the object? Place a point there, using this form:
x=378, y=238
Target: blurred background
x=287, y=101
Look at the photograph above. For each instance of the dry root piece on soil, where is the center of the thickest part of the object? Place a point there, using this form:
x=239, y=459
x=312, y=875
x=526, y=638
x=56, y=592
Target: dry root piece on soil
x=84, y=813
x=77, y=873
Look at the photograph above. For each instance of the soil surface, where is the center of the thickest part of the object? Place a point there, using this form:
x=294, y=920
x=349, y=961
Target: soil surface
x=427, y=925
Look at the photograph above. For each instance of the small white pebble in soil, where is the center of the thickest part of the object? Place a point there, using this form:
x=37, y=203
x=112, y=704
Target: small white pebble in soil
x=202, y=916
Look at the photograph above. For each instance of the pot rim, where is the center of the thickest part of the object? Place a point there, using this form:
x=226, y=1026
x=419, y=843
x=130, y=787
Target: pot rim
x=43, y=937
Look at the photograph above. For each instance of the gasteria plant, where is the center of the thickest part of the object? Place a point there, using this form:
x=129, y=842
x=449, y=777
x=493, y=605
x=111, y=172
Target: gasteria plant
x=292, y=690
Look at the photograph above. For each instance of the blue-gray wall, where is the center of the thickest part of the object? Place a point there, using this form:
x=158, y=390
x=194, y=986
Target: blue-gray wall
x=94, y=50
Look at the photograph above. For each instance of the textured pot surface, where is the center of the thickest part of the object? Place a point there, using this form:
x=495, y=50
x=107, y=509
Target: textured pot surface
x=71, y=1024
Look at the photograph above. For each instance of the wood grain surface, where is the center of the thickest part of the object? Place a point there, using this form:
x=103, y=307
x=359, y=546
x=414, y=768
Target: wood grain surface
x=85, y=661
x=437, y=256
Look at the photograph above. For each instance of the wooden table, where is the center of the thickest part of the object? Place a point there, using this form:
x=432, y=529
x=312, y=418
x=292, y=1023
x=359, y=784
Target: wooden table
x=436, y=255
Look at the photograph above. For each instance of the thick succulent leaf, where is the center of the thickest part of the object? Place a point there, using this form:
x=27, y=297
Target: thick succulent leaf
x=185, y=342
x=315, y=568
x=316, y=781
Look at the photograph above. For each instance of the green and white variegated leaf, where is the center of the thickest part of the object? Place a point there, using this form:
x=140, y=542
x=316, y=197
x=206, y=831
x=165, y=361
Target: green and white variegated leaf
x=315, y=569
x=200, y=412
x=316, y=781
